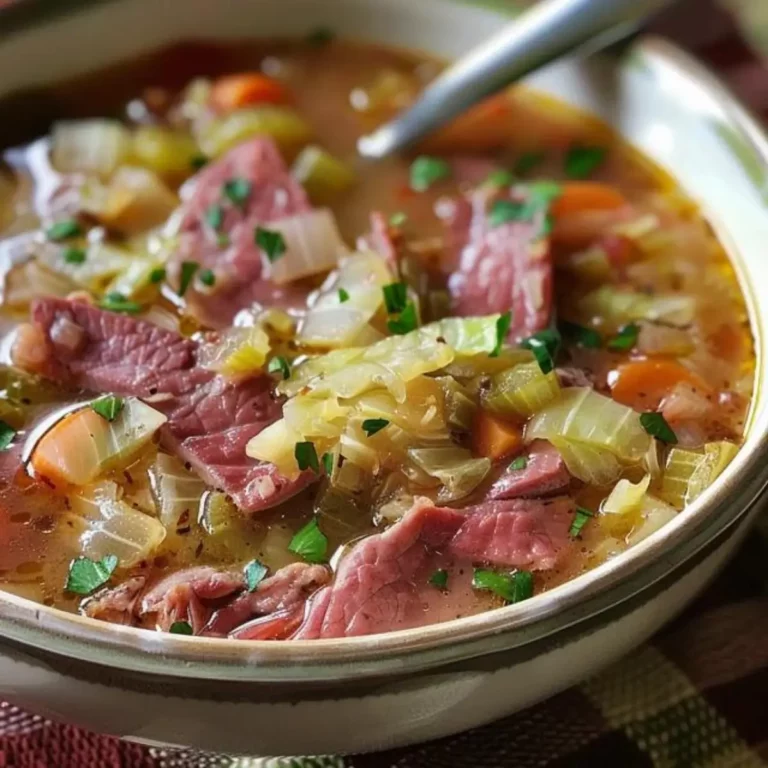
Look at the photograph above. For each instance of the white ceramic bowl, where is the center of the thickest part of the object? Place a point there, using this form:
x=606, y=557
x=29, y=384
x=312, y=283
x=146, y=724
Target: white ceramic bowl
x=381, y=691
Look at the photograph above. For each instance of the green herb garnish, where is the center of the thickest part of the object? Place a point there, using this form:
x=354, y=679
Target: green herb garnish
x=279, y=365
x=214, y=217
x=580, y=519
x=372, y=426
x=625, y=339
x=157, y=275
x=656, y=426
x=272, y=243
x=181, y=628
x=222, y=240
x=407, y=321
x=395, y=297
x=581, y=162
x=503, y=211
x=197, y=162
x=343, y=295
x=502, y=329
x=310, y=543
x=108, y=407
x=207, y=277
x=439, y=579
x=86, y=576
x=328, y=462
x=585, y=337
x=63, y=230
x=7, y=433
x=306, y=456
x=500, y=178
x=188, y=269
x=528, y=161
x=254, y=573
x=544, y=345
x=74, y=255
x=397, y=219
x=116, y=302
x=237, y=190
x=425, y=171
x=512, y=587
x=521, y=462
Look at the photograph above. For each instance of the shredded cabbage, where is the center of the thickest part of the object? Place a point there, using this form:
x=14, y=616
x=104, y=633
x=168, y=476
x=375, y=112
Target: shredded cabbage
x=454, y=467
x=616, y=307
x=596, y=466
x=626, y=497
x=654, y=514
x=238, y=352
x=521, y=391
x=89, y=146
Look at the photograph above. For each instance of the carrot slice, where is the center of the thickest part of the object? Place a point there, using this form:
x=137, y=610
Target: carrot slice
x=579, y=196
x=643, y=384
x=235, y=91
x=494, y=438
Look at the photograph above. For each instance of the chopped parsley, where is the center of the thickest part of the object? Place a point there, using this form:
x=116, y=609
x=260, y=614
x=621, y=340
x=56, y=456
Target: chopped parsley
x=397, y=219
x=372, y=426
x=254, y=573
x=272, y=243
x=306, y=456
x=321, y=36
x=188, y=270
x=198, y=161
x=500, y=178
x=544, y=345
x=86, y=576
x=439, y=579
x=279, y=365
x=395, y=297
x=528, y=161
x=656, y=426
x=214, y=217
x=237, y=190
x=580, y=519
x=407, y=321
x=425, y=171
x=63, y=230
x=625, y=339
x=521, y=462
x=502, y=329
x=512, y=587
x=581, y=162
x=7, y=433
x=207, y=277
x=328, y=462
x=181, y=628
x=343, y=295
x=74, y=255
x=108, y=407
x=116, y=302
x=503, y=211
x=222, y=239
x=310, y=543
x=584, y=337
x=157, y=275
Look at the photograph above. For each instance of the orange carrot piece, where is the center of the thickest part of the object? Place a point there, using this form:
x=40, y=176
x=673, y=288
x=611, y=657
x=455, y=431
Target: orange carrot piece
x=643, y=384
x=242, y=90
x=494, y=438
x=579, y=196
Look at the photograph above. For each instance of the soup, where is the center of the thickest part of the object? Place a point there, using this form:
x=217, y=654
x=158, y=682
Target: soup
x=254, y=387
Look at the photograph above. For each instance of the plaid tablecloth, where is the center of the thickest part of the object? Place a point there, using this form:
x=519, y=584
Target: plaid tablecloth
x=695, y=697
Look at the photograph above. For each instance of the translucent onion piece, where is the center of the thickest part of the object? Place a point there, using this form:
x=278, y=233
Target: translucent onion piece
x=455, y=467
x=595, y=466
x=717, y=456
x=626, y=497
x=655, y=339
x=176, y=489
x=616, y=307
x=689, y=473
x=460, y=407
x=238, y=352
x=164, y=150
x=218, y=514
x=521, y=391
x=89, y=146
x=321, y=174
x=25, y=282
x=112, y=527
x=276, y=444
x=581, y=415
x=102, y=263
x=654, y=514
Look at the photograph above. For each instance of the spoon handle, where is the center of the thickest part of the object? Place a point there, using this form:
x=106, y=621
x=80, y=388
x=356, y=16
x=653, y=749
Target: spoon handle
x=546, y=32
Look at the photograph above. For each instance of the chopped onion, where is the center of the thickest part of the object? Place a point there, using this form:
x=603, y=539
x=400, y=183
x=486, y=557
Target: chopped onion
x=89, y=146
x=102, y=263
x=176, y=489
x=626, y=497
x=238, y=351
x=655, y=339
x=583, y=416
x=689, y=473
x=654, y=514
x=28, y=281
x=312, y=245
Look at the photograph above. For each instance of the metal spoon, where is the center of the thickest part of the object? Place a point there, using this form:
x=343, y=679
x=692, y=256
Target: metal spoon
x=548, y=31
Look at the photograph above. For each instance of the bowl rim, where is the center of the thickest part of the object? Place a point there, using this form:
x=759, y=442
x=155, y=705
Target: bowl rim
x=50, y=630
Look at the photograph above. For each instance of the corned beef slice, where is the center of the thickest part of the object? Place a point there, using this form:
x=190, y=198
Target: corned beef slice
x=544, y=473
x=383, y=583
x=239, y=266
x=501, y=268
x=210, y=418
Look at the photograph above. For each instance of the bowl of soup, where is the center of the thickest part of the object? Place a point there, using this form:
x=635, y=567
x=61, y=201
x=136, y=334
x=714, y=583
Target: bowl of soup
x=286, y=434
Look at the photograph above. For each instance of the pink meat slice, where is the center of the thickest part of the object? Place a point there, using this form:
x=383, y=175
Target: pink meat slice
x=242, y=273
x=544, y=473
x=115, y=604
x=383, y=583
x=503, y=268
x=210, y=417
